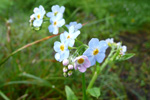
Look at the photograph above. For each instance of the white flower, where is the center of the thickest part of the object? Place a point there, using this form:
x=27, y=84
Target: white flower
x=31, y=18
x=109, y=41
x=123, y=50
x=56, y=22
x=38, y=16
x=118, y=45
x=56, y=10
x=76, y=25
x=70, y=36
x=62, y=50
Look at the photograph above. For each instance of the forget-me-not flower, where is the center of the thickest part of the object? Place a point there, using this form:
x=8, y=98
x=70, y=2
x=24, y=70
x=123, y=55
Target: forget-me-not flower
x=82, y=63
x=76, y=25
x=38, y=16
x=109, y=41
x=62, y=50
x=56, y=10
x=96, y=50
x=123, y=48
x=70, y=36
x=56, y=22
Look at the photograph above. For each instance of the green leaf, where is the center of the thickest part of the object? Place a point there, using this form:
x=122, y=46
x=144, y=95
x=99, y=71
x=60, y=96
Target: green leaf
x=126, y=56
x=4, y=96
x=70, y=94
x=95, y=92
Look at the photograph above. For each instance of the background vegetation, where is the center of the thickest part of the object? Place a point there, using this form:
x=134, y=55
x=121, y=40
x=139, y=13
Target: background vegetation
x=33, y=74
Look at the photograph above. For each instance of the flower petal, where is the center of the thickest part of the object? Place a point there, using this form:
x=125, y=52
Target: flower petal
x=51, y=28
x=86, y=63
x=55, y=31
x=88, y=52
x=100, y=57
x=61, y=22
x=37, y=23
x=81, y=68
x=93, y=43
x=59, y=16
x=92, y=60
x=57, y=46
x=55, y=8
x=71, y=29
x=103, y=46
x=62, y=37
x=36, y=10
x=49, y=14
x=75, y=34
x=64, y=55
x=62, y=9
x=71, y=42
x=57, y=57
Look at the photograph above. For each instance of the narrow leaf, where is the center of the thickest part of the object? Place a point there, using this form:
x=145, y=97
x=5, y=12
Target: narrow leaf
x=126, y=56
x=4, y=96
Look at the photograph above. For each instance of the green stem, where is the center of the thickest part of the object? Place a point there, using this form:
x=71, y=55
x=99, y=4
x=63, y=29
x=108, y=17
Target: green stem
x=78, y=41
x=83, y=86
x=98, y=70
x=72, y=48
x=28, y=45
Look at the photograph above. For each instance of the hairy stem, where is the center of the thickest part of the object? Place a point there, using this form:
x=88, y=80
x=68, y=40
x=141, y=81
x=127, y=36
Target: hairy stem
x=99, y=69
x=83, y=86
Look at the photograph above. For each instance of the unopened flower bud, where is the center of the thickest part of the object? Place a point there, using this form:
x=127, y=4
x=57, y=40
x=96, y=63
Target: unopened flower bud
x=69, y=73
x=65, y=74
x=70, y=66
x=65, y=69
x=65, y=62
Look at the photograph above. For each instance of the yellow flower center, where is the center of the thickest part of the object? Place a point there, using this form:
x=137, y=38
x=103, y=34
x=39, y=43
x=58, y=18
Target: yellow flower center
x=38, y=16
x=95, y=52
x=55, y=13
x=55, y=23
x=68, y=37
x=109, y=44
x=62, y=47
x=80, y=61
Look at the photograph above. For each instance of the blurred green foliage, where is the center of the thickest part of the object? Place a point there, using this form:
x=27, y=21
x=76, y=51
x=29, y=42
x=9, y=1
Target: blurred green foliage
x=125, y=20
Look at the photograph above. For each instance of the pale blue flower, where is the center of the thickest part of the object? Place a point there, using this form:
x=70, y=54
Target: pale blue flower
x=96, y=51
x=70, y=36
x=56, y=22
x=82, y=63
x=76, y=25
x=38, y=16
x=109, y=41
x=62, y=50
x=56, y=9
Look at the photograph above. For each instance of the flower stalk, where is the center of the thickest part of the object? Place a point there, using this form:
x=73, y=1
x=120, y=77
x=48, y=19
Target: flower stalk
x=99, y=69
x=83, y=86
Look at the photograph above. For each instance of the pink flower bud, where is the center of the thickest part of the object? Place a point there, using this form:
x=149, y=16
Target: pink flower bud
x=70, y=66
x=65, y=62
x=65, y=69
x=69, y=73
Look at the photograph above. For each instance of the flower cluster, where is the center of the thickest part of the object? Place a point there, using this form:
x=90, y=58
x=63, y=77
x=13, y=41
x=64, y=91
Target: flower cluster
x=68, y=67
x=94, y=52
x=111, y=43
